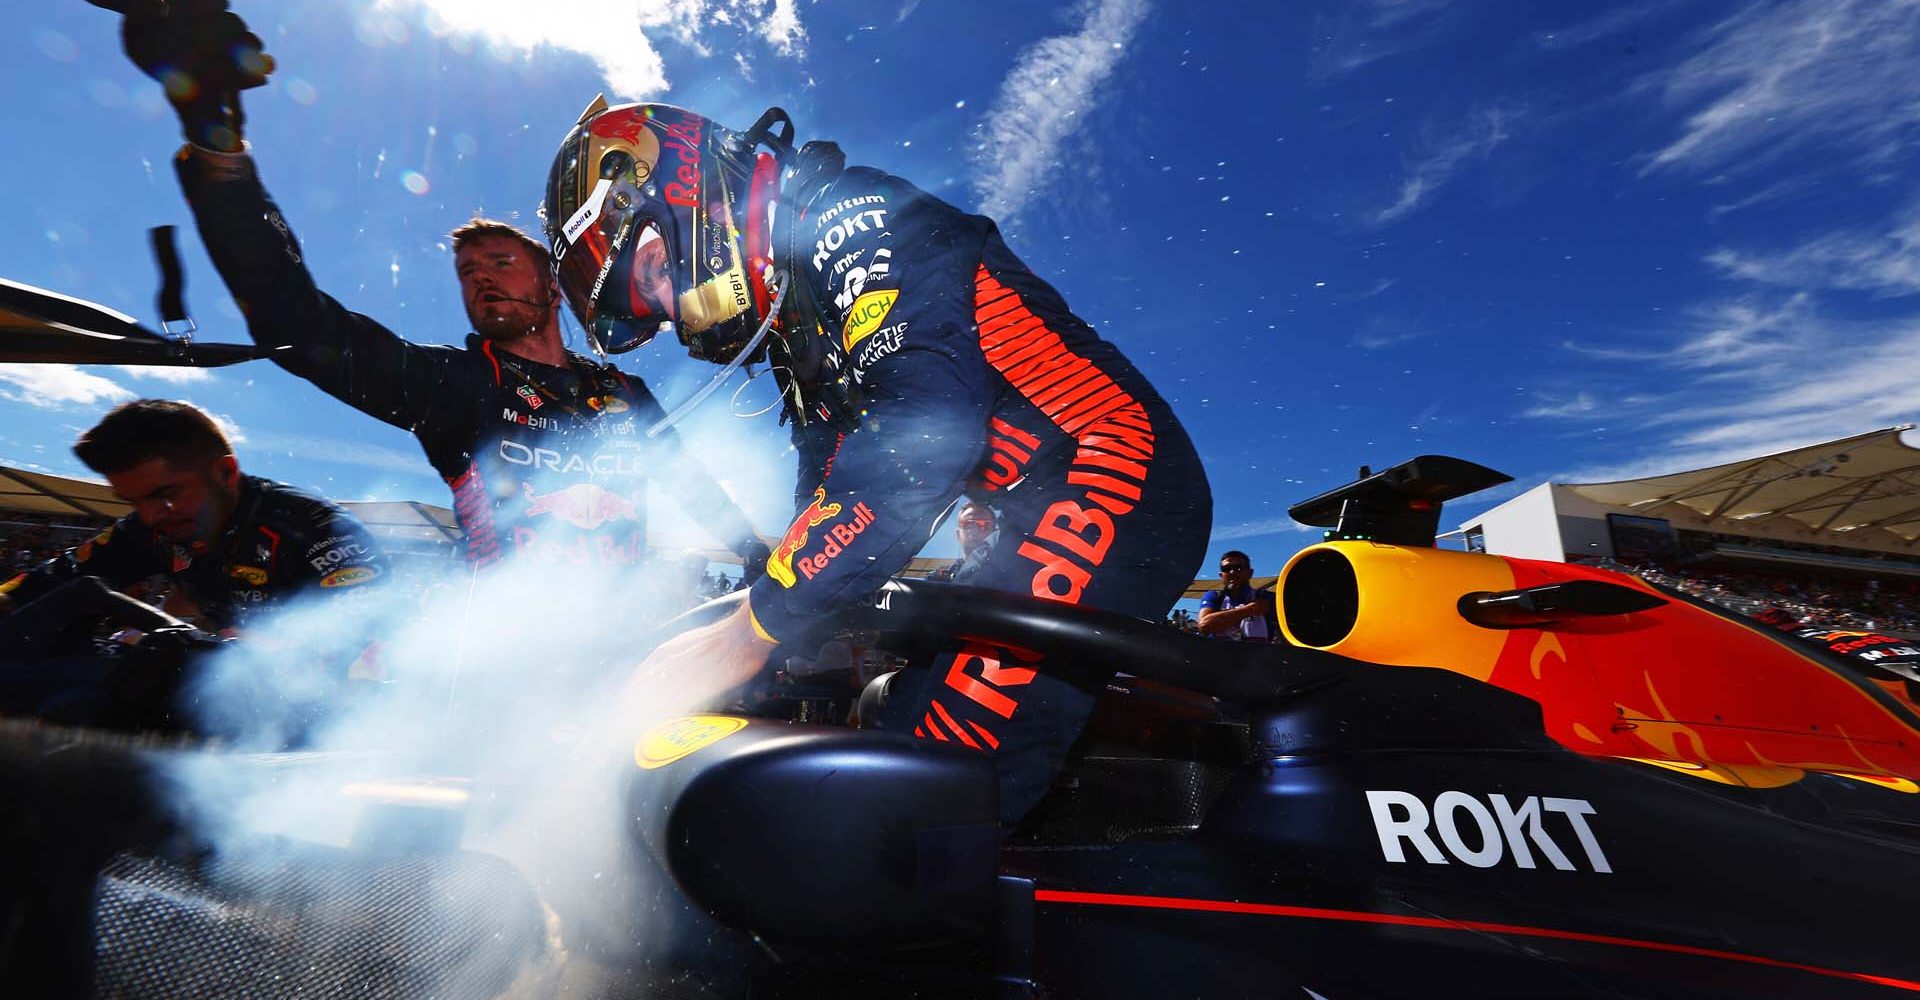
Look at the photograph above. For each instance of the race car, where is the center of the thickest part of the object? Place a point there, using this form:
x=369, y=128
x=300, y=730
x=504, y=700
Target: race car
x=1462, y=775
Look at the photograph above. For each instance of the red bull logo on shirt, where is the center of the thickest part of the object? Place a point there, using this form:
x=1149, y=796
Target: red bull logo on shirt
x=586, y=506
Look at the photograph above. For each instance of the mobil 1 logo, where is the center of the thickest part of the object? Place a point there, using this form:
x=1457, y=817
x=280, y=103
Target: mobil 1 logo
x=1488, y=831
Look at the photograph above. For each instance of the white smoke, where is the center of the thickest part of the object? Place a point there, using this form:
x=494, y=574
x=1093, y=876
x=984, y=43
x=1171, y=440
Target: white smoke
x=493, y=700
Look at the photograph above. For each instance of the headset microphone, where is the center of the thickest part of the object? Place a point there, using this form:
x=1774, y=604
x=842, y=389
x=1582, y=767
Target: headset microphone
x=546, y=303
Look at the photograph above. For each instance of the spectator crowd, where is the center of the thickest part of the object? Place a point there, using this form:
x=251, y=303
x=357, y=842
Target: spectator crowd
x=27, y=540
x=1888, y=604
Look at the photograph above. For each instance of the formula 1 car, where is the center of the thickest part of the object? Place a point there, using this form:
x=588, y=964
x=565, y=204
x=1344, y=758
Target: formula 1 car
x=1463, y=775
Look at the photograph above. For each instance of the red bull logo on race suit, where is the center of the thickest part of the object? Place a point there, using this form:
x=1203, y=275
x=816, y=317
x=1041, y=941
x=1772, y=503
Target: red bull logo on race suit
x=780, y=562
x=838, y=536
x=586, y=506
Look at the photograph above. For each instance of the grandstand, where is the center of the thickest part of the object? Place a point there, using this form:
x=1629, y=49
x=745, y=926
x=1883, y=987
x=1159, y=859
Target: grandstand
x=1830, y=531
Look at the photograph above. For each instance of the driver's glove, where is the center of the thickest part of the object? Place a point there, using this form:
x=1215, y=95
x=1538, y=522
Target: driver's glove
x=204, y=56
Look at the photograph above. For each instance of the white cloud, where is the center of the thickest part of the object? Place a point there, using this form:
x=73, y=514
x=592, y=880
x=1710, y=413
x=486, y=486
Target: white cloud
x=1753, y=378
x=1381, y=329
x=1379, y=337
x=230, y=427
x=1367, y=31
x=52, y=385
x=171, y=374
x=1799, y=183
x=1580, y=405
x=1744, y=332
x=1836, y=73
x=780, y=27
x=1440, y=158
x=1043, y=100
x=614, y=34
x=1610, y=23
x=1887, y=263
x=1769, y=371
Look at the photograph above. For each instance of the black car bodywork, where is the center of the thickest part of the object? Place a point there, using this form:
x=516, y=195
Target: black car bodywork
x=1239, y=820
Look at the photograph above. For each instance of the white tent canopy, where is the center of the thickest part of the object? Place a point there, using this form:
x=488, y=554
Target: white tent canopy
x=23, y=492
x=1860, y=492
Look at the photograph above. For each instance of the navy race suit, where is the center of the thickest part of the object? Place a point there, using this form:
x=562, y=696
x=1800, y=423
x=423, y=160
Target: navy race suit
x=549, y=463
x=278, y=542
x=973, y=377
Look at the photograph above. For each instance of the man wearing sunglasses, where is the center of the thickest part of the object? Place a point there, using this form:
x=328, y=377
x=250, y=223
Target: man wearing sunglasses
x=978, y=530
x=546, y=452
x=1236, y=610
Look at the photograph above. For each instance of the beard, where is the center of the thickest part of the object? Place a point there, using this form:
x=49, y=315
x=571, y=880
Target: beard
x=505, y=321
x=197, y=534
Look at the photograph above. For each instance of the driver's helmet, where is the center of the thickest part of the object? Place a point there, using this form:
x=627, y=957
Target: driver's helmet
x=656, y=217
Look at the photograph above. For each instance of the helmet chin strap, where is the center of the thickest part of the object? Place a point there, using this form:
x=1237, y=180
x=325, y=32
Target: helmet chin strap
x=780, y=280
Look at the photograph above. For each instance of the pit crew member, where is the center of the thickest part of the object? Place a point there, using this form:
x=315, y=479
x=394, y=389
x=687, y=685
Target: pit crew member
x=545, y=451
x=236, y=545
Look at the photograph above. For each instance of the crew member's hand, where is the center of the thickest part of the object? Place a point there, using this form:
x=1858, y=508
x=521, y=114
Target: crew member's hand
x=204, y=56
x=694, y=669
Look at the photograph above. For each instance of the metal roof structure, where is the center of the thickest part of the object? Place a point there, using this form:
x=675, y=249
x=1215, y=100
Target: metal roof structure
x=23, y=492
x=1859, y=492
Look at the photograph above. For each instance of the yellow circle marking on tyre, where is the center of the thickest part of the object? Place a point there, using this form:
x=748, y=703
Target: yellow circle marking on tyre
x=670, y=741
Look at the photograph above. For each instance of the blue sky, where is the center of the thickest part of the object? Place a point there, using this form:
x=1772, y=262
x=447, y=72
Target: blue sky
x=1572, y=240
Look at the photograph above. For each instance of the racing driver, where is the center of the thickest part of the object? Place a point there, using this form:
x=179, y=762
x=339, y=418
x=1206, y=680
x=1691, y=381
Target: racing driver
x=546, y=452
x=920, y=361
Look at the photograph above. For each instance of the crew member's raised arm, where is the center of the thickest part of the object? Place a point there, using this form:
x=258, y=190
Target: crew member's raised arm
x=306, y=331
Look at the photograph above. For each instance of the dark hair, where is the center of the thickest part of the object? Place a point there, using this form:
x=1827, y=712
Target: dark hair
x=980, y=505
x=144, y=429
x=480, y=228
x=1230, y=553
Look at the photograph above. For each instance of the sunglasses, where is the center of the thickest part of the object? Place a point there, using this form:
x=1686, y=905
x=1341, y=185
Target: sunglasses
x=1234, y=568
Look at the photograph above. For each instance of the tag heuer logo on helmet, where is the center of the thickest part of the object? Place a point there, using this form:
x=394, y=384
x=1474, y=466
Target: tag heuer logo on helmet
x=868, y=312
